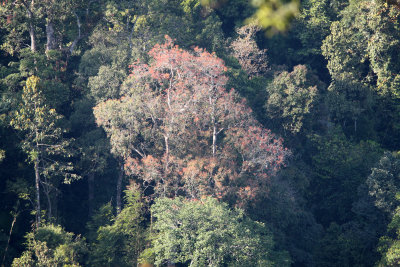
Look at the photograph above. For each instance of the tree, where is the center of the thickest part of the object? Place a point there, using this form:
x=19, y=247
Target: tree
x=129, y=29
x=207, y=233
x=94, y=157
x=389, y=245
x=49, y=246
x=384, y=184
x=339, y=167
x=244, y=48
x=120, y=242
x=179, y=130
x=362, y=59
x=292, y=97
x=349, y=96
x=310, y=28
x=29, y=15
x=43, y=142
x=383, y=47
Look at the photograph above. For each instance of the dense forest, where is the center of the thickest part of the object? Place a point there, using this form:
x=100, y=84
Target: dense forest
x=199, y=133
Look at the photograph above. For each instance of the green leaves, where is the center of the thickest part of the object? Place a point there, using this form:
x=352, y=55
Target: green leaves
x=43, y=141
x=207, y=233
x=49, y=246
x=384, y=183
x=292, y=97
x=275, y=15
x=120, y=242
x=43, y=138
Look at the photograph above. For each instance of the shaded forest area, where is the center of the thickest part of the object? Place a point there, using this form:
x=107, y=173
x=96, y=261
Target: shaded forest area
x=179, y=132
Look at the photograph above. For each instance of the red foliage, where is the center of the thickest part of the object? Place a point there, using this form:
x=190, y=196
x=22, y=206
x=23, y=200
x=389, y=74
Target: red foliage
x=197, y=139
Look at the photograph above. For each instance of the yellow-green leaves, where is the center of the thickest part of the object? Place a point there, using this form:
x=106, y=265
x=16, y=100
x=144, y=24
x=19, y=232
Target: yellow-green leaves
x=274, y=15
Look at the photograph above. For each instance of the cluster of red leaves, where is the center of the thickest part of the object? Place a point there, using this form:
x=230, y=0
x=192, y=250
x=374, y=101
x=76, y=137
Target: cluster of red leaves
x=196, y=138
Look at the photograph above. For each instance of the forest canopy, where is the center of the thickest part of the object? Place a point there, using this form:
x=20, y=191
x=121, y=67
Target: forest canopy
x=199, y=133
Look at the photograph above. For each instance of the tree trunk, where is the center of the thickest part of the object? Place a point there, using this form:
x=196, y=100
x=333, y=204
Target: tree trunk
x=166, y=139
x=119, y=188
x=91, y=192
x=75, y=42
x=51, y=41
x=33, y=38
x=9, y=238
x=49, y=206
x=214, y=124
x=31, y=27
x=214, y=143
x=37, y=181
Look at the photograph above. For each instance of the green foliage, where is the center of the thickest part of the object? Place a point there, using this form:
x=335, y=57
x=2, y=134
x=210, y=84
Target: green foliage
x=285, y=212
x=120, y=242
x=309, y=29
x=351, y=102
x=103, y=217
x=251, y=89
x=291, y=97
x=389, y=245
x=345, y=47
x=106, y=84
x=44, y=143
x=2, y=154
x=207, y=233
x=326, y=208
x=384, y=183
x=339, y=167
x=383, y=47
x=43, y=137
x=274, y=15
x=51, y=246
x=340, y=247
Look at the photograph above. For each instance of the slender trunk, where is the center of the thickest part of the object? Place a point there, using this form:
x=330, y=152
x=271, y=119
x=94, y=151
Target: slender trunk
x=31, y=26
x=166, y=166
x=9, y=239
x=37, y=181
x=33, y=37
x=91, y=192
x=214, y=141
x=51, y=41
x=131, y=34
x=355, y=125
x=79, y=37
x=166, y=153
x=119, y=188
x=49, y=206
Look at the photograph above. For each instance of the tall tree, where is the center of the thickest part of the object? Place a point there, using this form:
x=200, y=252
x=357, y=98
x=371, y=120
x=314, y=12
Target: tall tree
x=177, y=127
x=43, y=142
x=29, y=15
